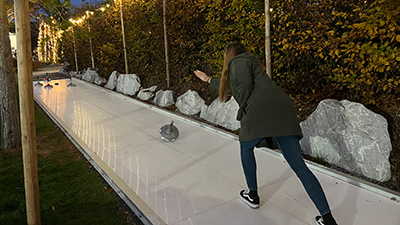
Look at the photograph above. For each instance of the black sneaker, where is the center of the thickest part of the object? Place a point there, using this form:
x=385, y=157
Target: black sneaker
x=319, y=220
x=252, y=202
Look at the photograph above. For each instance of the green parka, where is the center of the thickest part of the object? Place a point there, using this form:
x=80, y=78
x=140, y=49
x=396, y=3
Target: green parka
x=265, y=110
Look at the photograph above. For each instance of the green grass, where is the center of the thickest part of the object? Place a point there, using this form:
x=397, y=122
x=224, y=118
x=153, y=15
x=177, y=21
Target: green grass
x=70, y=192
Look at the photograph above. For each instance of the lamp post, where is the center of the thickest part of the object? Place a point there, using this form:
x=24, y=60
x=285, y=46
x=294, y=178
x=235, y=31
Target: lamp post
x=123, y=36
x=267, y=40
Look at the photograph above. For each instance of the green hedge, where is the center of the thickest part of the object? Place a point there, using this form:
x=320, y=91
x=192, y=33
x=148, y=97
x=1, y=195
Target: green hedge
x=347, y=46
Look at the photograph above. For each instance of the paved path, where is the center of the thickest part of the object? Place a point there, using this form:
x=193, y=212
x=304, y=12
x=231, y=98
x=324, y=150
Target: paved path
x=196, y=179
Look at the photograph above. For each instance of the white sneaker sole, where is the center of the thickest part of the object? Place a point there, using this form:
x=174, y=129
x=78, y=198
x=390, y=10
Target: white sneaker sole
x=318, y=223
x=254, y=206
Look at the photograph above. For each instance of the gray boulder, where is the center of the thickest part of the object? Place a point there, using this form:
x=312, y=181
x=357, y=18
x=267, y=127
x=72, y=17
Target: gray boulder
x=128, y=84
x=223, y=114
x=350, y=136
x=164, y=98
x=189, y=103
x=209, y=113
x=146, y=94
x=64, y=70
x=90, y=68
x=99, y=80
x=112, y=80
x=73, y=73
x=91, y=75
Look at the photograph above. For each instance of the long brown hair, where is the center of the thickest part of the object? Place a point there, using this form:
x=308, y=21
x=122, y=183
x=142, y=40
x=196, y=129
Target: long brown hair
x=231, y=50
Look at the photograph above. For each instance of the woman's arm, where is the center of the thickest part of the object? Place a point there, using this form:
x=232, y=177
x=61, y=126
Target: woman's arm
x=214, y=83
x=203, y=76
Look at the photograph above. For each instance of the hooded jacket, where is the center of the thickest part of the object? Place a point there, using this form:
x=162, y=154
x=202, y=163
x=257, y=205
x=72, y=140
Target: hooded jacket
x=265, y=110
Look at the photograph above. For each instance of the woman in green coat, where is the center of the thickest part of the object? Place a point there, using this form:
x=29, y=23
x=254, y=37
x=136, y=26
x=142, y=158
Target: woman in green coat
x=265, y=111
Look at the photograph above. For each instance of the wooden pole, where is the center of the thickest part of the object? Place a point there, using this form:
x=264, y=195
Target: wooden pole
x=76, y=59
x=166, y=42
x=267, y=40
x=91, y=49
x=27, y=114
x=88, y=13
x=123, y=37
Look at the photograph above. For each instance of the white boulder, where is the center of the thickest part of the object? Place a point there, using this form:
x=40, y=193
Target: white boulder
x=349, y=136
x=91, y=75
x=146, y=94
x=223, y=114
x=164, y=98
x=189, y=103
x=128, y=84
x=112, y=80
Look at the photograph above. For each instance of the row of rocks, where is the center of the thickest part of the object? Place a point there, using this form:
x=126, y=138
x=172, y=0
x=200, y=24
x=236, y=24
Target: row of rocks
x=342, y=133
x=190, y=103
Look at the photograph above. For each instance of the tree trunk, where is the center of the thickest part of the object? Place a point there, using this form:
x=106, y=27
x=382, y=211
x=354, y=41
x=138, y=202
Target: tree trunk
x=10, y=129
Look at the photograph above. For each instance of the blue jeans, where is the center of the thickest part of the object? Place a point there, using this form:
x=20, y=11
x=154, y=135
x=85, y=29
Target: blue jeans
x=290, y=148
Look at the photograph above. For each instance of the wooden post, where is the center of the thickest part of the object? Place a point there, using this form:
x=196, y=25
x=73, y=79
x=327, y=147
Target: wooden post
x=166, y=42
x=76, y=59
x=123, y=37
x=27, y=114
x=91, y=49
x=267, y=40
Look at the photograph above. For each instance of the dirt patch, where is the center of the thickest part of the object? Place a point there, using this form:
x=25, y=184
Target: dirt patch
x=44, y=147
x=13, y=150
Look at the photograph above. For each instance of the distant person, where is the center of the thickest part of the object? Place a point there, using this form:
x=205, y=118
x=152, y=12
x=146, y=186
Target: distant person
x=265, y=111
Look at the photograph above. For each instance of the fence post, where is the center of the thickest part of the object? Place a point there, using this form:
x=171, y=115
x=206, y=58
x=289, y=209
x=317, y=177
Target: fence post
x=27, y=113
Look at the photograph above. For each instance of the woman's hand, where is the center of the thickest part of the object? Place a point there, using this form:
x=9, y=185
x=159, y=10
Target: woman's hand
x=203, y=76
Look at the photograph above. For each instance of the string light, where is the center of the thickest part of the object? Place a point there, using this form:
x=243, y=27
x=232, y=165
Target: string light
x=50, y=36
x=80, y=20
x=48, y=42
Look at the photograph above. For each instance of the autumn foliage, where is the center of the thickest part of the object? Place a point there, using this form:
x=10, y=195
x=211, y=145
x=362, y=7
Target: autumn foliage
x=339, y=46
